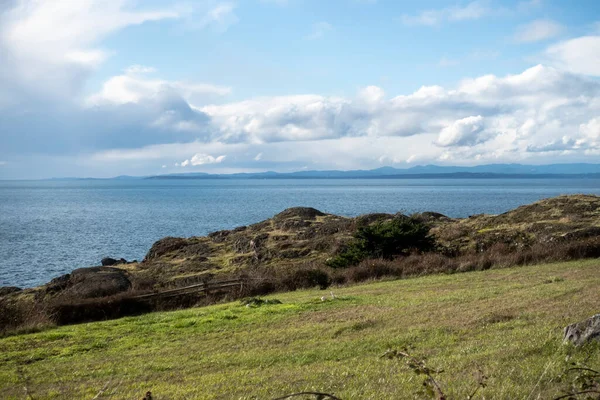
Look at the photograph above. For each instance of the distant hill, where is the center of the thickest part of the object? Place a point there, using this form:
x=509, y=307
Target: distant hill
x=489, y=171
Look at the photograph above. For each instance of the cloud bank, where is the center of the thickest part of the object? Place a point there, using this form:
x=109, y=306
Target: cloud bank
x=536, y=115
x=138, y=120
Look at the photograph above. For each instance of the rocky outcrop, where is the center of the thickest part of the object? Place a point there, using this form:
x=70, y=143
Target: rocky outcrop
x=432, y=217
x=85, y=283
x=164, y=246
x=301, y=235
x=108, y=261
x=583, y=332
x=560, y=219
x=304, y=213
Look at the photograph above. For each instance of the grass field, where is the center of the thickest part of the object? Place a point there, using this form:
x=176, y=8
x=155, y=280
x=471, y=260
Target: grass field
x=507, y=322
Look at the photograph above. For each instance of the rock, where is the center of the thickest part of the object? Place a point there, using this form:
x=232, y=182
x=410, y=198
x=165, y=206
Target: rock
x=219, y=236
x=99, y=281
x=6, y=290
x=107, y=261
x=58, y=284
x=583, y=332
x=164, y=246
x=90, y=283
x=300, y=212
x=247, y=243
x=430, y=216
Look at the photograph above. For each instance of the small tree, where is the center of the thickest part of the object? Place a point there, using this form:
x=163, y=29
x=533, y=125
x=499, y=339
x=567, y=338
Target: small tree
x=387, y=239
x=394, y=237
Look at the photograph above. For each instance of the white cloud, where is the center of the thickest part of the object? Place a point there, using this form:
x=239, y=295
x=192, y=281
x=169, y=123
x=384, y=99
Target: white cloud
x=50, y=48
x=202, y=159
x=563, y=144
x=46, y=38
x=465, y=131
x=2, y=163
x=532, y=102
x=370, y=97
x=580, y=55
x=516, y=118
x=538, y=30
x=138, y=116
x=319, y=30
x=590, y=132
x=134, y=86
x=471, y=11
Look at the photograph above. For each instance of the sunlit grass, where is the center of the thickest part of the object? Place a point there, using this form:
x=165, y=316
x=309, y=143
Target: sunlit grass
x=507, y=322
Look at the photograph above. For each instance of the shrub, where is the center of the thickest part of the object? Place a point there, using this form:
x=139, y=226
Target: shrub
x=372, y=269
x=307, y=278
x=351, y=255
x=20, y=317
x=398, y=236
x=386, y=240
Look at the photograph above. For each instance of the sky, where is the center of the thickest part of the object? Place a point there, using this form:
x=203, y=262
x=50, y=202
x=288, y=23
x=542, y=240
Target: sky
x=95, y=88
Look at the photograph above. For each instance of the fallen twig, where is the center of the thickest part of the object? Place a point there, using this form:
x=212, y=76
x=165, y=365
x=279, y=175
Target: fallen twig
x=318, y=395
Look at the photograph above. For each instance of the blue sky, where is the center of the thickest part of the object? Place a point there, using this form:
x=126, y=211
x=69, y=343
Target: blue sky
x=95, y=88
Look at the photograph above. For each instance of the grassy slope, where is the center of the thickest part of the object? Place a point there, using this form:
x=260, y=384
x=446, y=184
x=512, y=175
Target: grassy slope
x=507, y=322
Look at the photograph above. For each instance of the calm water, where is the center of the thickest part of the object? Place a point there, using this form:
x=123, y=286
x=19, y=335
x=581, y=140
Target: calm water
x=48, y=228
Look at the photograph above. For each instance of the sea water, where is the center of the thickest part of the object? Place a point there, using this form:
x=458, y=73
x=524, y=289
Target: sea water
x=48, y=228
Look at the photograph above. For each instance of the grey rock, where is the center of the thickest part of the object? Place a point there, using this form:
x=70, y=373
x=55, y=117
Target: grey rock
x=583, y=332
x=108, y=261
x=90, y=283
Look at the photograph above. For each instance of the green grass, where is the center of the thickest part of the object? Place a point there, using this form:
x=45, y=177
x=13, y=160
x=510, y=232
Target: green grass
x=507, y=322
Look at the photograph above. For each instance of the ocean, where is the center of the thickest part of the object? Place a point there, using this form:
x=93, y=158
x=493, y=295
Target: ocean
x=48, y=228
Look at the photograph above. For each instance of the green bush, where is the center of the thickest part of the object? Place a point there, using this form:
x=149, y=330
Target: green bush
x=386, y=239
x=351, y=255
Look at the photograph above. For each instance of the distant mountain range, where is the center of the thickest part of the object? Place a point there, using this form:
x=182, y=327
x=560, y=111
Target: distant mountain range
x=489, y=171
